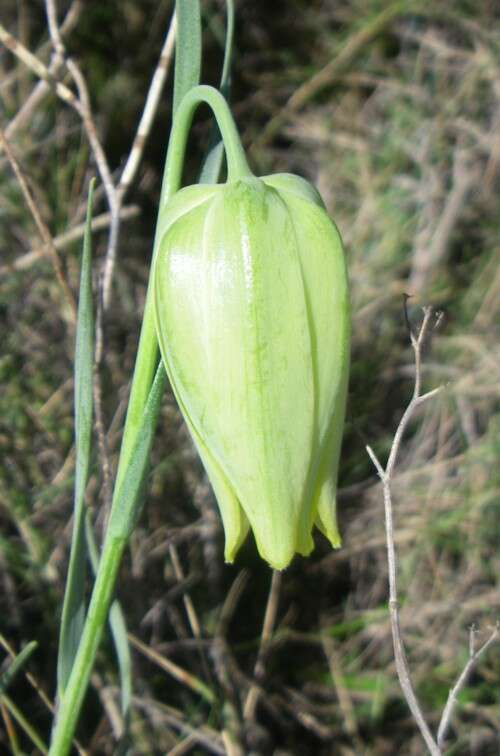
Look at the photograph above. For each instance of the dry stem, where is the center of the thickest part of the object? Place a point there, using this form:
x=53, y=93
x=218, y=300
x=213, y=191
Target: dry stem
x=39, y=222
x=461, y=682
x=267, y=629
x=434, y=746
x=115, y=193
x=402, y=667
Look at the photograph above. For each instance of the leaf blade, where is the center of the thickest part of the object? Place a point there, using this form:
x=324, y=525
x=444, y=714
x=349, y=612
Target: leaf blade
x=188, y=50
x=73, y=612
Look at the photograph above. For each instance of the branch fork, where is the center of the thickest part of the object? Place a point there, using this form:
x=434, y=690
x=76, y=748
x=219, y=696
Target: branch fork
x=435, y=745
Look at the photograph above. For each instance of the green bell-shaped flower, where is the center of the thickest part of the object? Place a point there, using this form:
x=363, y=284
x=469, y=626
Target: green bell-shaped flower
x=252, y=313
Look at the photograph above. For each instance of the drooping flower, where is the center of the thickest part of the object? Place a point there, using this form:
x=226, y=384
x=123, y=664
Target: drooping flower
x=252, y=314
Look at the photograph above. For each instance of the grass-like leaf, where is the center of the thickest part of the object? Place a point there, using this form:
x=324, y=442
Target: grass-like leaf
x=128, y=499
x=142, y=417
x=126, y=508
x=188, y=48
x=118, y=631
x=19, y=661
x=73, y=613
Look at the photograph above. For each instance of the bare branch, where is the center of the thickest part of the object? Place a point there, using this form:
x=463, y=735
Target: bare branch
x=267, y=629
x=417, y=343
x=135, y=155
x=150, y=107
x=61, y=241
x=40, y=223
x=84, y=109
x=461, y=682
x=115, y=194
x=55, y=34
x=42, y=88
x=34, y=64
x=402, y=667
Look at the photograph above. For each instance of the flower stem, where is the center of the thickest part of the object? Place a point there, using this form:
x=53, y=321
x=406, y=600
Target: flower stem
x=237, y=165
x=144, y=371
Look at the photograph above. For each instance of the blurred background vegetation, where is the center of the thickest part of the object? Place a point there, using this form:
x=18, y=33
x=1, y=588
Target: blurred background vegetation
x=393, y=111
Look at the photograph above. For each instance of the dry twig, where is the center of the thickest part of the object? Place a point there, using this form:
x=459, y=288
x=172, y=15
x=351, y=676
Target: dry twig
x=402, y=667
x=39, y=222
x=115, y=193
x=61, y=241
x=474, y=656
x=267, y=629
x=42, y=88
x=435, y=746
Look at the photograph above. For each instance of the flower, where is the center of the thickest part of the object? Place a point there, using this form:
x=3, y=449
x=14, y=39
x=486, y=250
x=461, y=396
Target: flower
x=252, y=316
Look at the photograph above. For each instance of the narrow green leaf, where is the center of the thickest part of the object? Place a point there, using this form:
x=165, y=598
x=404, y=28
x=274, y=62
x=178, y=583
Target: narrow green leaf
x=73, y=613
x=118, y=630
x=212, y=164
x=142, y=417
x=128, y=499
x=19, y=662
x=188, y=48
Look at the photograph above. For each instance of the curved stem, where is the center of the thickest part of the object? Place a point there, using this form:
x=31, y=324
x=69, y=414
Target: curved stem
x=237, y=166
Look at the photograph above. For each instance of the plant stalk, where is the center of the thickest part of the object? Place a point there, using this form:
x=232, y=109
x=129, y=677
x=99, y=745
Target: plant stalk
x=146, y=363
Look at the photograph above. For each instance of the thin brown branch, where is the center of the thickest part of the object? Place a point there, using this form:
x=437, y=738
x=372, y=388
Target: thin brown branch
x=84, y=109
x=150, y=108
x=40, y=223
x=252, y=698
x=61, y=241
x=136, y=152
x=115, y=194
x=192, y=615
x=36, y=66
x=178, y=673
x=402, y=666
x=417, y=344
x=42, y=88
x=452, y=702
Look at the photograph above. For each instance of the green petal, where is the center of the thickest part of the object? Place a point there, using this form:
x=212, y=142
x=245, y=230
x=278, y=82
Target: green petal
x=236, y=525
x=326, y=291
x=287, y=183
x=183, y=201
x=325, y=497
